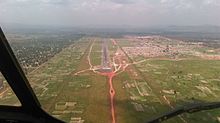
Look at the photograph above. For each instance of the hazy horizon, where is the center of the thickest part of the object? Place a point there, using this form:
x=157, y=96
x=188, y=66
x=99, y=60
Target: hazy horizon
x=110, y=13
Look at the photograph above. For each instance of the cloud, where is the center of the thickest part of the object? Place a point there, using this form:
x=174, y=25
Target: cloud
x=211, y=2
x=124, y=1
x=190, y=3
x=56, y=2
x=111, y=12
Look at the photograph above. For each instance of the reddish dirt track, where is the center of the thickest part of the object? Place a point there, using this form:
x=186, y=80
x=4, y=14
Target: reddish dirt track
x=110, y=75
x=112, y=94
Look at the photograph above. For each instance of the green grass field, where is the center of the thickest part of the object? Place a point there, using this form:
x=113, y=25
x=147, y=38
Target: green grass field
x=140, y=90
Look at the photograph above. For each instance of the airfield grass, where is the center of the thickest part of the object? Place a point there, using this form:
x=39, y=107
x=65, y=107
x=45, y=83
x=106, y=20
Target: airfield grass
x=89, y=90
x=125, y=111
x=95, y=97
x=96, y=53
x=183, y=76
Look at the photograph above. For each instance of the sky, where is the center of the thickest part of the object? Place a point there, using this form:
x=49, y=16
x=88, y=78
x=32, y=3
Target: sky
x=134, y=13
